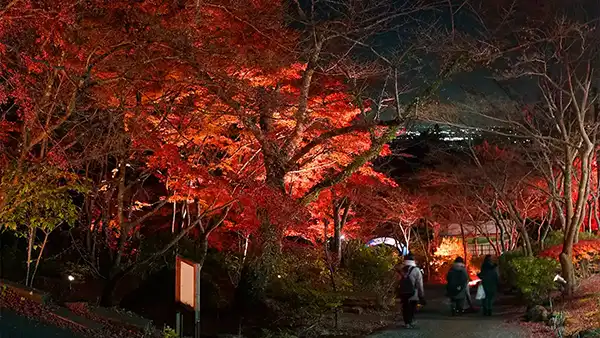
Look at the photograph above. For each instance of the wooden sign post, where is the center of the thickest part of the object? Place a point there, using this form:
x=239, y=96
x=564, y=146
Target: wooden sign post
x=187, y=290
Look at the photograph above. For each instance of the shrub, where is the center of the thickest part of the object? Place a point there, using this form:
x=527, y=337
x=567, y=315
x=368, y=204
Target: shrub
x=507, y=273
x=169, y=333
x=371, y=269
x=534, y=277
x=554, y=238
x=302, y=286
x=307, y=300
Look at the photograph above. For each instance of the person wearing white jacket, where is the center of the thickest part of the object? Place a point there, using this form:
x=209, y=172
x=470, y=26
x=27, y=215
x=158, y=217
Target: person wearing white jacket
x=411, y=289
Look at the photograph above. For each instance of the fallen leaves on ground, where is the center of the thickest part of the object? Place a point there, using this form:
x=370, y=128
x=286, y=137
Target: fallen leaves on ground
x=43, y=313
x=582, y=311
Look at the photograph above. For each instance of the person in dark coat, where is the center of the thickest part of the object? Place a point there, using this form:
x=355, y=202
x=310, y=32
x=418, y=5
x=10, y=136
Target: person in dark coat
x=457, y=282
x=489, y=280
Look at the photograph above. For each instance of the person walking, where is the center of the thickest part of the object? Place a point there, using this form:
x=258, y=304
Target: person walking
x=457, y=282
x=489, y=280
x=410, y=289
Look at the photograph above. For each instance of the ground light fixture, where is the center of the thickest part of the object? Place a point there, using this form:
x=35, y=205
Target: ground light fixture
x=559, y=279
x=71, y=279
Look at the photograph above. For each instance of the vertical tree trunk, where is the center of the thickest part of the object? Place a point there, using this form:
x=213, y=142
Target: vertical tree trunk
x=331, y=268
x=464, y=242
x=549, y=225
x=589, y=216
x=108, y=290
x=29, y=254
x=203, y=250
x=596, y=209
x=337, y=232
x=526, y=241
x=502, y=244
x=39, y=258
x=427, y=259
x=339, y=220
x=568, y=270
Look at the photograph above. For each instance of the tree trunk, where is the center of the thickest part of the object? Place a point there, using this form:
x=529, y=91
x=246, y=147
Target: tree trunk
x=39, y=258
x=108, y=290
x=331, y=268
x=29, y=254
x=589, y=216
x=203, y=250
x=596, y=210
x=339, y=221
x=566, y=258
x=502, y=244
x=337, y=232
x=425, y=251
x=464, y=242
x=568, y=270
x=526, y=241
x=548, y=226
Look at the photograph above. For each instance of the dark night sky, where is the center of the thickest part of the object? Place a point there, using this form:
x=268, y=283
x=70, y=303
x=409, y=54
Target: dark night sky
x=478, y=80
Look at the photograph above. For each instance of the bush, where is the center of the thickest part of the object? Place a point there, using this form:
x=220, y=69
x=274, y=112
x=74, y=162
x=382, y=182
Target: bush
x=302, y=286
x=534, y=277
x=507, y=273
x=306, y=300
x=169, y=333
x=371, y=270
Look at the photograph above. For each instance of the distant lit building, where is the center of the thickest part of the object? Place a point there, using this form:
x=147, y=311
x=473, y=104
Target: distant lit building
x=484, y=238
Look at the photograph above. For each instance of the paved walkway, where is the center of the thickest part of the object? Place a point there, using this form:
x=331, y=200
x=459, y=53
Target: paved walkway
x=434, y=321
x=14, y=326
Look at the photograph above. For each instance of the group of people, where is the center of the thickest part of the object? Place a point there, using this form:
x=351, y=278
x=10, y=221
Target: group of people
x=412, y=293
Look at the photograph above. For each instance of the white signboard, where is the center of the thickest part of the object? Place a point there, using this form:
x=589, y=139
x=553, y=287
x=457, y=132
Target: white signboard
x=186, y=291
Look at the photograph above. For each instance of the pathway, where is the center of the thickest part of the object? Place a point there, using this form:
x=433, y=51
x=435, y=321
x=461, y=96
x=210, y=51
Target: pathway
x=434, y=321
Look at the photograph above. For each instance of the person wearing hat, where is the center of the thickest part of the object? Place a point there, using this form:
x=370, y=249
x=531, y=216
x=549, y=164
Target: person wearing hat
x=457, y=286
x=410, y=289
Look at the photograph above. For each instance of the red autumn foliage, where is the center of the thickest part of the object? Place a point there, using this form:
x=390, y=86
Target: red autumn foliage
x=583, y=250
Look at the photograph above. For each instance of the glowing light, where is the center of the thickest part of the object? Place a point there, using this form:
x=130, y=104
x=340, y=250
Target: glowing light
x=474, y=282
x=71, y=278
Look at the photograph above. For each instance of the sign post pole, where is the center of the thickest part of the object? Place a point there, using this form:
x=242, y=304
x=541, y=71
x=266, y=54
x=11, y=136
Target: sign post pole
x=178, y=322
x=197, y=309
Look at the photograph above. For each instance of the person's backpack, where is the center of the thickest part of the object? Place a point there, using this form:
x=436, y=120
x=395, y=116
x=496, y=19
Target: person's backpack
x=407, y=287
